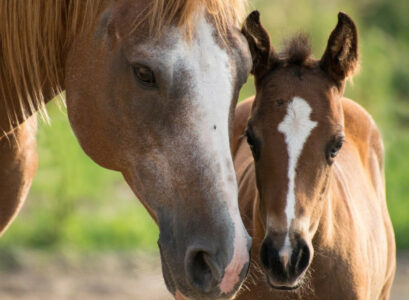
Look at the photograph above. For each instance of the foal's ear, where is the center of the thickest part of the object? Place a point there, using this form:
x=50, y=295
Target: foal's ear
x=340, y=59
x=259, y=43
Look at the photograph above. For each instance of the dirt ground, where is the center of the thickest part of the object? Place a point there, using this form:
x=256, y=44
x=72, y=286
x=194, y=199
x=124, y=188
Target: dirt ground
x=109, y=276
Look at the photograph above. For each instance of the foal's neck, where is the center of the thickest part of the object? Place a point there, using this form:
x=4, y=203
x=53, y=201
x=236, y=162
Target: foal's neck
x=326, y=235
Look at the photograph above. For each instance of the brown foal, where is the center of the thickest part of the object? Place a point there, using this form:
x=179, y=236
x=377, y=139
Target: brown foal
x=313, y=198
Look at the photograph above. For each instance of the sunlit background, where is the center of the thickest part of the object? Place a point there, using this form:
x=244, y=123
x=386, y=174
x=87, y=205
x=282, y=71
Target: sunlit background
x=82, y=227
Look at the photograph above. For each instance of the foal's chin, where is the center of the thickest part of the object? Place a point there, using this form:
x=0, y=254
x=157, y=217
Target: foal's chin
x=286, y=285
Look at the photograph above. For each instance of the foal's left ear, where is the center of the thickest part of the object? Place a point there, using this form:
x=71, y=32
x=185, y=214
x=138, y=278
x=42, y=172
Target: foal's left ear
x=259, y=44
x=340, y=59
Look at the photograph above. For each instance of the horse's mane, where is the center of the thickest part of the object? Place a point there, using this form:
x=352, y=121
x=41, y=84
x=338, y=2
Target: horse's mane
x=160, y=14
x=33, y=36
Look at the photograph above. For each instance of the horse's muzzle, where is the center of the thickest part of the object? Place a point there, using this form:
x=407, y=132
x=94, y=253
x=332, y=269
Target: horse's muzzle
x=203, y=272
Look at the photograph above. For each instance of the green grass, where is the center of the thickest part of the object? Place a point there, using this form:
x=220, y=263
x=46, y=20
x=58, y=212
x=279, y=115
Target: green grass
x=75, y=204
x=397, y=184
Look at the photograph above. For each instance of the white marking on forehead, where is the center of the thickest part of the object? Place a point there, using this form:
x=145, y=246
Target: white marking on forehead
x=296, y=127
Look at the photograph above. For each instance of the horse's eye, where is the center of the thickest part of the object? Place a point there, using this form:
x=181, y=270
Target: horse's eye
x=144, y=75
x=334, y=148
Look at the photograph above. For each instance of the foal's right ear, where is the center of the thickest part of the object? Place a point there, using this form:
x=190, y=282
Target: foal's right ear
x=340, y=59
x=259, y=44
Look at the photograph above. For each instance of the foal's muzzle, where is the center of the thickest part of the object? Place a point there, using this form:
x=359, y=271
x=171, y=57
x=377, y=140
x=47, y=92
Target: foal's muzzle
x=284, y=270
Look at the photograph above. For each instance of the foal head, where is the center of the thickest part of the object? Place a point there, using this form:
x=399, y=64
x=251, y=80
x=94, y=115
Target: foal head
x=153, y=99
x=295, y=132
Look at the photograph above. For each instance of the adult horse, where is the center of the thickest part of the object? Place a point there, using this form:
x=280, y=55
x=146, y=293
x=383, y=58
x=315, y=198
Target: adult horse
x=151, y=87
x=320, y=224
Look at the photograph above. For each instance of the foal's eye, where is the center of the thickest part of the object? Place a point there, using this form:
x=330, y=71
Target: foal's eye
x=253, y=143
x=250, y=141
x=144, y=75
x=334, y=147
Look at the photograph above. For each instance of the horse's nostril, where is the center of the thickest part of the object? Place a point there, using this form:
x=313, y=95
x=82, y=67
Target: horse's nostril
x=203, y=272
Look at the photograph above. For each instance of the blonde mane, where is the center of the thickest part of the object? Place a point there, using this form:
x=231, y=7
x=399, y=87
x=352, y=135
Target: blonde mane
x=160, y=14
x=35, y=36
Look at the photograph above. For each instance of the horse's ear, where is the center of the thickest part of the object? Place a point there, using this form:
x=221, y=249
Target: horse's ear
x=107, y=29
x=259, y=44
x=340, y=59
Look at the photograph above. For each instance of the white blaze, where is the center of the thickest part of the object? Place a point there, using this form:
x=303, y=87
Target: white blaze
x=214, y=90
x=296, y=127
x=210, y=80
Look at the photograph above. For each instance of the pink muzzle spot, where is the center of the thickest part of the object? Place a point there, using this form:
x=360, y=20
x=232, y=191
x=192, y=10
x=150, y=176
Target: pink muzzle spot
x=232, y=271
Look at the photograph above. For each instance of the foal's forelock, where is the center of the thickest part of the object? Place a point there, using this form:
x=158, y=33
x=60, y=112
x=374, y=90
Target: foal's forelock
x=296, y=128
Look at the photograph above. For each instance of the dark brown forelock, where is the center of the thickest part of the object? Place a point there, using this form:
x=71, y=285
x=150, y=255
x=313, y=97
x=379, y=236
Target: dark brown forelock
x=297, y=50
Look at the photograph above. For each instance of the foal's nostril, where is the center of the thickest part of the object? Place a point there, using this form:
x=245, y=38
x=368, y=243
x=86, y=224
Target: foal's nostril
x=300, y=258
x=270, y=258
x=204, y=273
x=304, y=259
x=265, y=250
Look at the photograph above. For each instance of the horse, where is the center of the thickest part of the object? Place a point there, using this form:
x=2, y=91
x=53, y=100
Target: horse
x=310, y=168
x=151, y=88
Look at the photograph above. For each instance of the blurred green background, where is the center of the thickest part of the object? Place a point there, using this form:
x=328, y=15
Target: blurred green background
x=75, y=204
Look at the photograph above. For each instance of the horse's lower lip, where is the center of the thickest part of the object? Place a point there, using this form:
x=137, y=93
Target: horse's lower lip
x=180, y=296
